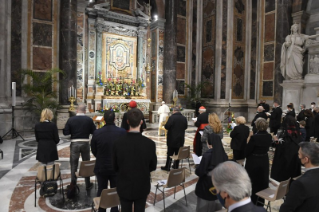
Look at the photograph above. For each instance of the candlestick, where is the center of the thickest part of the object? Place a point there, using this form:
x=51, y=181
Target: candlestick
x=72, y=100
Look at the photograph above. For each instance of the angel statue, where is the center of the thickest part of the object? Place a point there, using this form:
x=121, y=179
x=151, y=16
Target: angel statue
x=292, y=54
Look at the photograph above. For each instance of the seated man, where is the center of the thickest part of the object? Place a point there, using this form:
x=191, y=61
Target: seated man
x=303, y=194
x=233, y=188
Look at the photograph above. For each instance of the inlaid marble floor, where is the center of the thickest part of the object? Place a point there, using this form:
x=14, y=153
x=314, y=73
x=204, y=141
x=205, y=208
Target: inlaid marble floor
x=18, y=171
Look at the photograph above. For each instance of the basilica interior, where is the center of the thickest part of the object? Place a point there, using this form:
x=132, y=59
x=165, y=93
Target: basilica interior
x=226, y=55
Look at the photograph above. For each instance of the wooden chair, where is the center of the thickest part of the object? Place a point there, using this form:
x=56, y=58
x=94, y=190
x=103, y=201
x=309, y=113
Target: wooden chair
x=176, y=177
x=108, y=199
x=41, y=178
x=183, y=153
x=273, y=195
x=86, y=170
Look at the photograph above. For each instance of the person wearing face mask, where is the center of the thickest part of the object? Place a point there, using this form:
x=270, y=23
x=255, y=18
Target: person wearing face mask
x=275, y=118
x=290, y=111
x=233, y=188
x=301, y=114
x=312, y=108
x=303, y=193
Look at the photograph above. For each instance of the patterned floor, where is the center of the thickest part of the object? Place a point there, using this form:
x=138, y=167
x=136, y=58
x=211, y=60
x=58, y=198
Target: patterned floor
x=18, y=171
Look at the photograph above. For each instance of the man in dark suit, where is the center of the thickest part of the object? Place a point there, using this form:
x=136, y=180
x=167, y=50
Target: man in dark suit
x=124, y=123
x=239, y=137
x=201, y=122
x=303, y=193
x=290, y=111
x=80, y=127
x=134, y=158
x=260, y=114
x=301, y=115
x=102, y=148
x=264, y=105
x=312, y=108
x=275, y=118
x=233, y=188
x=176, y=126
x=316, y=124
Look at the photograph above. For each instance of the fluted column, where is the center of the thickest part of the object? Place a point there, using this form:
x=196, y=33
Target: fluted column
x=170, y=51
x=68, y=39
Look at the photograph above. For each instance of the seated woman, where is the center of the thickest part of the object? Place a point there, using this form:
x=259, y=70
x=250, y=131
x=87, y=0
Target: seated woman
x=46, y=134
x=286, y=163
x=239, y=137
x=214, y=126
x=257, y=161
x=207, y=201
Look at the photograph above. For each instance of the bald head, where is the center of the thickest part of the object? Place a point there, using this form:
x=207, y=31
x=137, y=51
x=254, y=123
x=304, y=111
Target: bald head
x=260, y=109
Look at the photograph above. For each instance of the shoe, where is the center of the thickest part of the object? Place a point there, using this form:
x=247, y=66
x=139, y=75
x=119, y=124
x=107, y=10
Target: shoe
x=164, y=168
x=90, y=186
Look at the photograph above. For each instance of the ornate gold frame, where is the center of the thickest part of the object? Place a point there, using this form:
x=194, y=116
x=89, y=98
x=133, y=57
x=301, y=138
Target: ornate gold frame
x=119, y=9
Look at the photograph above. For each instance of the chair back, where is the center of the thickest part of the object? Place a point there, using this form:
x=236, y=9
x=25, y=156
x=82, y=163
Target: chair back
x=41, y=172
x=175, y=178
x=87, y=168
x=282, y=189
x=109, y=198
x=183, y=152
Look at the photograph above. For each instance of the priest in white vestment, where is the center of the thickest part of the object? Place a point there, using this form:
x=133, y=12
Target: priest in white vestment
x=163, y=111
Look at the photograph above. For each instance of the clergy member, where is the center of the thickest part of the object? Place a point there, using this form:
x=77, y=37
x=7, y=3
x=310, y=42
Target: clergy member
x=200, y=123
x=163, y=111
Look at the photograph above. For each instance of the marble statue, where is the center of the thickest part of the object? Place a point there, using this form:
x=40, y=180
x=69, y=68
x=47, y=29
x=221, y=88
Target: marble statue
x=292, y=54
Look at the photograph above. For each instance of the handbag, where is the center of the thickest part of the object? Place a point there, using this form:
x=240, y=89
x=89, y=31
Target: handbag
x=48, y=187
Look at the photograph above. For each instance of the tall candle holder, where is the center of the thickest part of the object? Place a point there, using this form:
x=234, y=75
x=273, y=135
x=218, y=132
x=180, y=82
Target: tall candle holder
x=72, y=100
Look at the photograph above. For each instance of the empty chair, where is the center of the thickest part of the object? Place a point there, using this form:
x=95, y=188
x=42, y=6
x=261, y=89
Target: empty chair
x=176, y=177
x=183, y=153
x=108, y=199
x=41, y=178
x=86, y=169
x=273, y=195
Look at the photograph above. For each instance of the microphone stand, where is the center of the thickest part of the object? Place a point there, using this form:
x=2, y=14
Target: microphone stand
x=14, y=132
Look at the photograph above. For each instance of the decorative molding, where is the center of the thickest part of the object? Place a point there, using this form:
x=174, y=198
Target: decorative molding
x=119, y=30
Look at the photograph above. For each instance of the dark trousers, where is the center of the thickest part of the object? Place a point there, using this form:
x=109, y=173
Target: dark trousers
x=274, y=130
x=77, y=148
x=238, y=154
x=171, y=151
x=127, y=205
x=102, y=181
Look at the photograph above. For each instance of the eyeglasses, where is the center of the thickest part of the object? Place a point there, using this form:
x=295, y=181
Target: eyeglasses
x=213, y=190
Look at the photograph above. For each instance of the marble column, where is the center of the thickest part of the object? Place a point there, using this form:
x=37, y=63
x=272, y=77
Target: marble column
x=283, y=23
x=140, y=43
x=98, y=50
x=170, y=50
x=68, y=41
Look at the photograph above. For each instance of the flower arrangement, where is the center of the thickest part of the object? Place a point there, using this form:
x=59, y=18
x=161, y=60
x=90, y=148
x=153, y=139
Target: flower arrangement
x=99, y=80
x=179, y=106
x=140, y=83
x=114, y=108
x=231, y=119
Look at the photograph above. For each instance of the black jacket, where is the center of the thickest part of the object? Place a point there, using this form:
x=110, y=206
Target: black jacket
x=301, y=116
x=125, y=125
x=239, y=137
x=258, y=115
x=275, y=118
x=310, y=127
x=303, y=195
x=291, y=113
x=46, y=134
x=134, y=157
x=202, y=119
x=176, y=126
x=265, y=106
x=250, y=207
x=102, y=147
x=79, y=126
x=316, y=126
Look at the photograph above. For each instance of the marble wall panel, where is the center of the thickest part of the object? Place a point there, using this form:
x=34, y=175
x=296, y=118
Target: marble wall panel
x=42, y=34
x=181, y=31
x=268, y=71
x=16, y=20
x=194, y=37
x=121, y=4
x=180, y=54
x=180, y=71
x=180, y=87
x=270, y=5
x=269, y=52
x=42, y=58
x=270, y=27
x=224, y=51
x=254, y=29
x=238, y=76
x=181, y=9
x=80, y=57
x=209, y=8
x=267, y=88
x=299, y=5
x=42, y=10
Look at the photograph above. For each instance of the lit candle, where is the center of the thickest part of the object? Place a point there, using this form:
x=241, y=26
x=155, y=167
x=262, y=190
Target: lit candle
x=229, y=95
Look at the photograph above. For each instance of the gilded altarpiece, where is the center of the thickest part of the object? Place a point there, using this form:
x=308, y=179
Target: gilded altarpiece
x=118, y=57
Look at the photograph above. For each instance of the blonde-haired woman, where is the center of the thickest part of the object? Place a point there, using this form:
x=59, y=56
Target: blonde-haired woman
x=214, y=126
x=46, y=134
x=239, y=137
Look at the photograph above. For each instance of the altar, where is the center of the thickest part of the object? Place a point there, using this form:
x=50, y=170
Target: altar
x=142, y=104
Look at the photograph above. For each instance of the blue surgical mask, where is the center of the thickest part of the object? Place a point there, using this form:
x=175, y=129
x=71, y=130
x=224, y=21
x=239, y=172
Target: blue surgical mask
x=221, y=200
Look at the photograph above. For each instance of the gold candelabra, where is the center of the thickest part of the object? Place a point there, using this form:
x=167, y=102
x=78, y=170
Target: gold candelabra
x=72, y=100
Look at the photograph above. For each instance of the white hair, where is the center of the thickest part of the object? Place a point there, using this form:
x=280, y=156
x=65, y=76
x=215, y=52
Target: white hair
x=232, y=178
x=81, y=107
